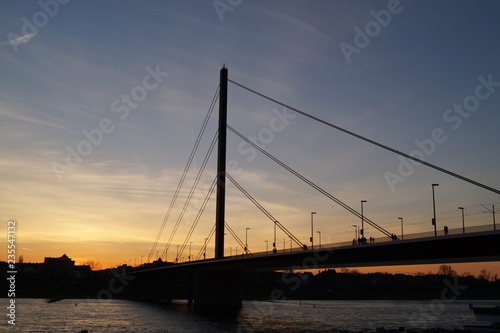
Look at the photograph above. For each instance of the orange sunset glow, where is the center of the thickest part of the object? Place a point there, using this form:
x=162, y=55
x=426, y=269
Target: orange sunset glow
x=99, y=124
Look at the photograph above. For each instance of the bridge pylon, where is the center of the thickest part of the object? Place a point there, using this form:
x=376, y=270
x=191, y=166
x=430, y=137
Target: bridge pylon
x=221, y=167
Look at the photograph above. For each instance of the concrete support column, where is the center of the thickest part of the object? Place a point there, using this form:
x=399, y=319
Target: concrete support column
x=219, y=289
x=169, y=295
x=190, y=295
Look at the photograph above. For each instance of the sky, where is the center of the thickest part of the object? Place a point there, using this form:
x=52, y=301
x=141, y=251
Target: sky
x=101, y=103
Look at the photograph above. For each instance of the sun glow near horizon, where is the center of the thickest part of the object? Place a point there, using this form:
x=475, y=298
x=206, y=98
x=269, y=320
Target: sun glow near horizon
x=129, y=102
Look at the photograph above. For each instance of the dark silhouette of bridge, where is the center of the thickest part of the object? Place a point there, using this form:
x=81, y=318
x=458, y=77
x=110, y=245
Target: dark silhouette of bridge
x=215, y=282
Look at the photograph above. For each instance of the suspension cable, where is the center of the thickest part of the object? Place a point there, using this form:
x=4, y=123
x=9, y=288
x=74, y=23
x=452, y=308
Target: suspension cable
x=371, y=141
x=238, y=240
x=263, y=210
x=191, y=193
x=186, y=168
x=204, y=248
x=198, y=216
x=310, y=183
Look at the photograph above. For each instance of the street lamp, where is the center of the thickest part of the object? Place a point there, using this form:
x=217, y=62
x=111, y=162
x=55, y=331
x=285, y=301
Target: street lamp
x=493, y=212
x=330, y=234
x=312, y=231
x=267, y=247
x=274, y=243
x=494, y=222
x=362, y=220
x=319, y=233
x=355, y=231
x=190, y=251
x=463, y=219
x=434, y=209
x=402, y=235
x=177, y=256
x=205, y=249
x=246, y=240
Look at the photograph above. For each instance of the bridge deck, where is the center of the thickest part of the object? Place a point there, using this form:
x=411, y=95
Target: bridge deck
x=475, y=247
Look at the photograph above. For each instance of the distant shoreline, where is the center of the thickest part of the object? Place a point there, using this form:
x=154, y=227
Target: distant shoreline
x=51, y=299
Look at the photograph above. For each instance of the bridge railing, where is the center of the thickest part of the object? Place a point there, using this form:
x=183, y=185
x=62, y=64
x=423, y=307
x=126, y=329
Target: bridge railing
x=440, y=233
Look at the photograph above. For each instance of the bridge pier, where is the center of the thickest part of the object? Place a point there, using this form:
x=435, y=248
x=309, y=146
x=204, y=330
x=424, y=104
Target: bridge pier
x=190, y=296
x=169, y=289
x=218, y=289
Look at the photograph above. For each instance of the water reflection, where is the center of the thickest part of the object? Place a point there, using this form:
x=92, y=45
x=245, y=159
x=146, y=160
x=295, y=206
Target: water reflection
x=112, y=316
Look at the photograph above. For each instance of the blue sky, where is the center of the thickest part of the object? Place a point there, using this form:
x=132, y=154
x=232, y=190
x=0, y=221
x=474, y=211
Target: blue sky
x=396, y=89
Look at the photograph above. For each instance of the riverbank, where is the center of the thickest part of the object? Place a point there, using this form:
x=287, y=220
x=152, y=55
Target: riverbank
x=326, y=285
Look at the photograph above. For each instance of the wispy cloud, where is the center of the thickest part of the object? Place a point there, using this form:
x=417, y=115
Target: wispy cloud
x=32, y=119
x=20, y=40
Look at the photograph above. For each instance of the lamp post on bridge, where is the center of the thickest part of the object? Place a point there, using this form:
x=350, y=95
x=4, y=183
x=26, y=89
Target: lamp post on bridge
x=493, y=212
x=463, y=219
x=362, y=232
x=494, y=222
x=402, y=234
x=177, y=256
x=246, y=240
x=189, y=258
x=312, y=231
x=275, y=250
x=267, y=247
x=355, y=231
x=205, y=249
x=330, y=234
x=434, y=210
x=319, y=233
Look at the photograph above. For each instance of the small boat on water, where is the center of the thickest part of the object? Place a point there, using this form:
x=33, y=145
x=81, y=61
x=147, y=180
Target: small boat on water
x=488, y=314
x=54, y=300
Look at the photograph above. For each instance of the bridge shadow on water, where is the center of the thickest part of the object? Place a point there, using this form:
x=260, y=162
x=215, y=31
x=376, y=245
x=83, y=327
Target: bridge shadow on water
x=226, y=314
x=227, y=317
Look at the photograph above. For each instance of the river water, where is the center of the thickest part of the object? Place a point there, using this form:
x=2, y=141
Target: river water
x=113, y=316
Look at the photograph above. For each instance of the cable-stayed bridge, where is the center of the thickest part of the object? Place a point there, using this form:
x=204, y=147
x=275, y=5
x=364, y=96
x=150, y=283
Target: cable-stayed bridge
x=215, y=281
